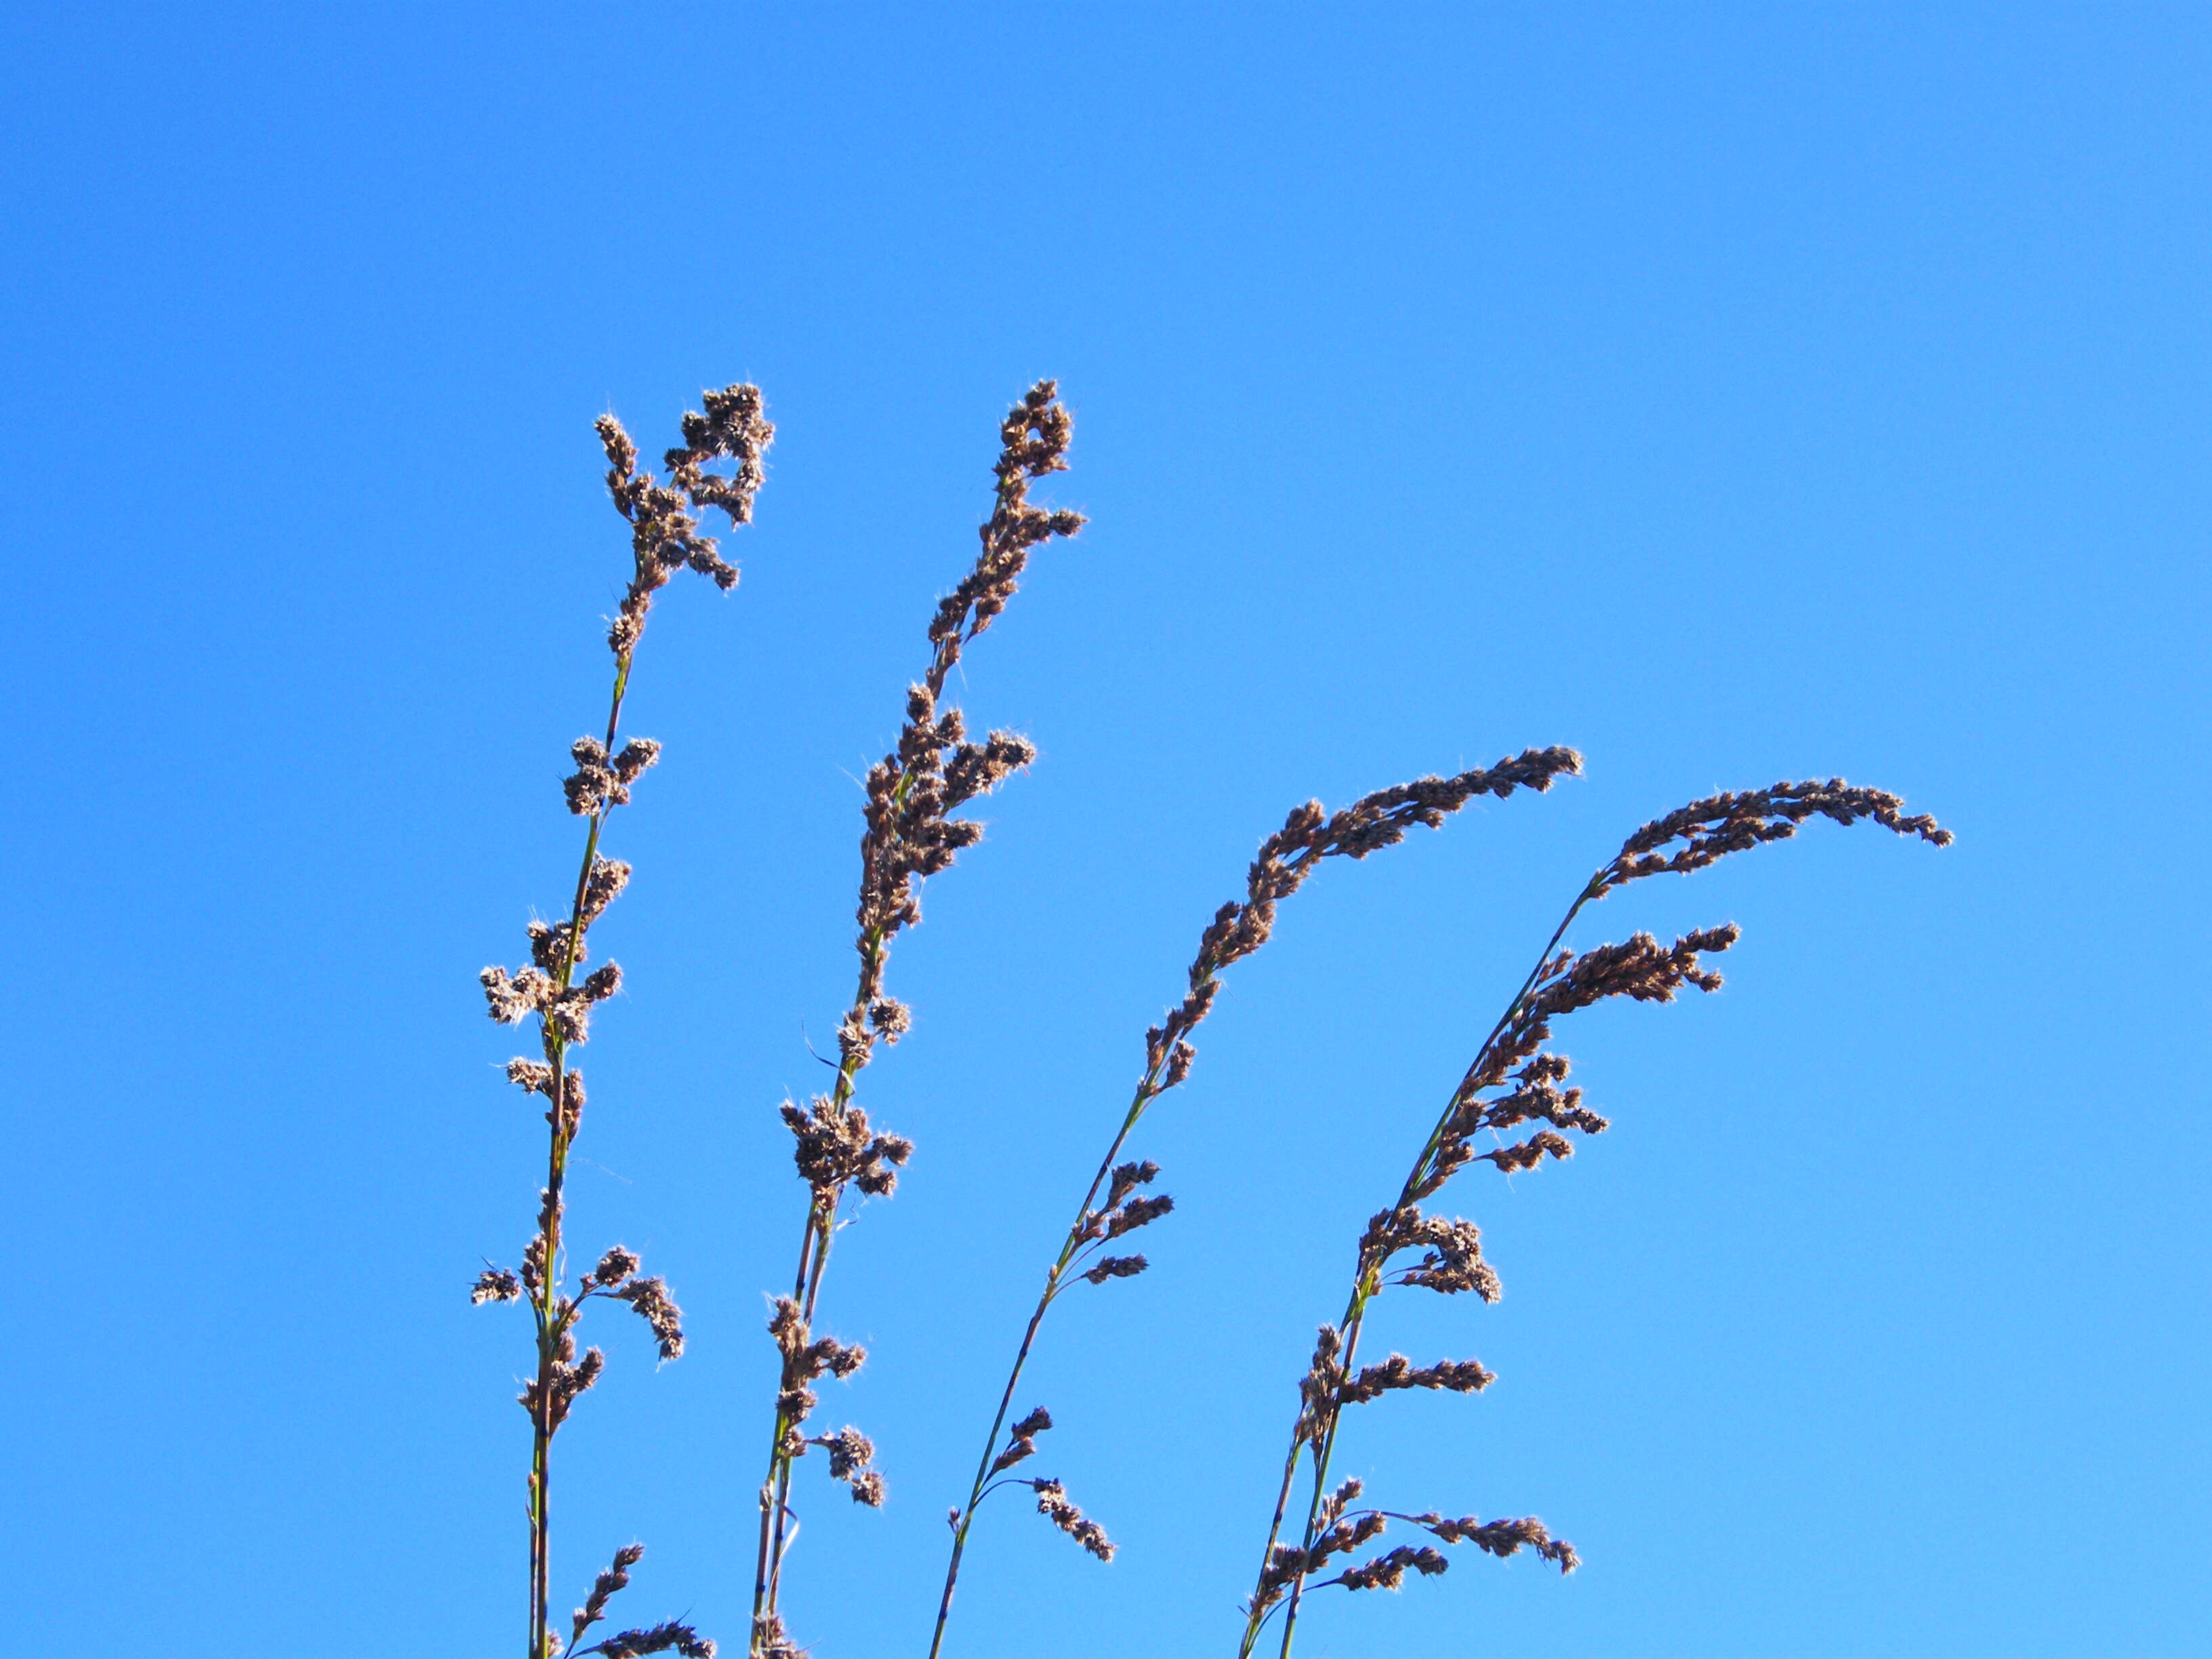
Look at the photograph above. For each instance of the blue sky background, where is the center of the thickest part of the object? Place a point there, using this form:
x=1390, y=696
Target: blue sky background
x=1733, y=392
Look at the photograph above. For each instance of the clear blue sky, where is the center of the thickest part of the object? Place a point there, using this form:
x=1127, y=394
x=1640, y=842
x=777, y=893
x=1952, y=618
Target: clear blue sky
x=1733, y=392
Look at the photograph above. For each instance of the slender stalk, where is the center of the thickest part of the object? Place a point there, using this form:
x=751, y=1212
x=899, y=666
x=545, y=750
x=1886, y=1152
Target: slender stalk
x=665, y=537
x=544, y=1305
x=1146, y=1090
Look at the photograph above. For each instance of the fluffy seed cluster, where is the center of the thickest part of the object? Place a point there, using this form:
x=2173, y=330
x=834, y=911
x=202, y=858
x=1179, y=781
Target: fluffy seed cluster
x=835, y=1145
x=1387, y=1571
x=1502, y=1538
x=601, y=780
x=806, y=1357
x=1122, y=1210
x=649, y=1300
x=1328, y=1386
x=566, y=1010
x=548, y=988
x=1021, y=1440
x=851, y=1455
x=615, y=1578
x=1535, y=1097
x=1455, y=1375
x=1638, y=967
x=664, y=519
x=1451, y=1260
x=1053, y=1503
x=548, y=1397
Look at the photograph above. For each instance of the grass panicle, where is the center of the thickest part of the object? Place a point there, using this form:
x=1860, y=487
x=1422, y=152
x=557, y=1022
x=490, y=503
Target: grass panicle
x=909, y=833
x=1513, y=1081
x=1112, y=1205
x=665, y=536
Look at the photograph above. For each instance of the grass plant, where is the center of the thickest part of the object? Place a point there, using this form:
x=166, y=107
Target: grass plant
x=1319, y=1535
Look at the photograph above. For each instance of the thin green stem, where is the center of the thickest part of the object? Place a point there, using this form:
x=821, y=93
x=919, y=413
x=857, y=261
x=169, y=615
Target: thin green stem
x=1147, y=1089
x=806, y=1290
x=545, y=1304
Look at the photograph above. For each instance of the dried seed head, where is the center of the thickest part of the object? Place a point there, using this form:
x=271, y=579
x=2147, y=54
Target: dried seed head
x=1127, y=1178
x=614, y=1578
x=1053, y=1503
x=1707, y=831
x=850, y=1451
x=1116, y=1266
x=533, y=1265
x=1285, y=860
x=649, y=1299
x=616, y=1265
x=550, y=944
x=835, y=1145
x=548, y=1399
x=664, y=532
x=636, y=755
x=851, y=1454
x=670, y=1636
x=510, y=1000
x=1639, y=968
x=592, y=787
x=1138, y=1213
x=854, y=1041
x=932, y=768
x=1457, y=1375
x=769, y=1641
x=1021, y=1441
x=1338, y=1534
x=1527, y=1154
x=531, y=1074
x=601, y=888
x=1388, y=1571
x=1504, y=1538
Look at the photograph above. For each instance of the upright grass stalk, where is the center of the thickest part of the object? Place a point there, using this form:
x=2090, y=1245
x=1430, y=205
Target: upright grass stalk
x=665, y=537
x=1240, y=927
x=1510, y=1060
x=907, y=837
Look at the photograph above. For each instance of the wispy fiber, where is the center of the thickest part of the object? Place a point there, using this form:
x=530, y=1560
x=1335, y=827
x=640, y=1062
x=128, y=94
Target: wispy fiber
x=1513, y=1081
x=1113, y=1205
x=909, y=835
x=665, y=537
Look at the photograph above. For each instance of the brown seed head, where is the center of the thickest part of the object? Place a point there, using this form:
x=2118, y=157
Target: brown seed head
x=1053, y=1503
